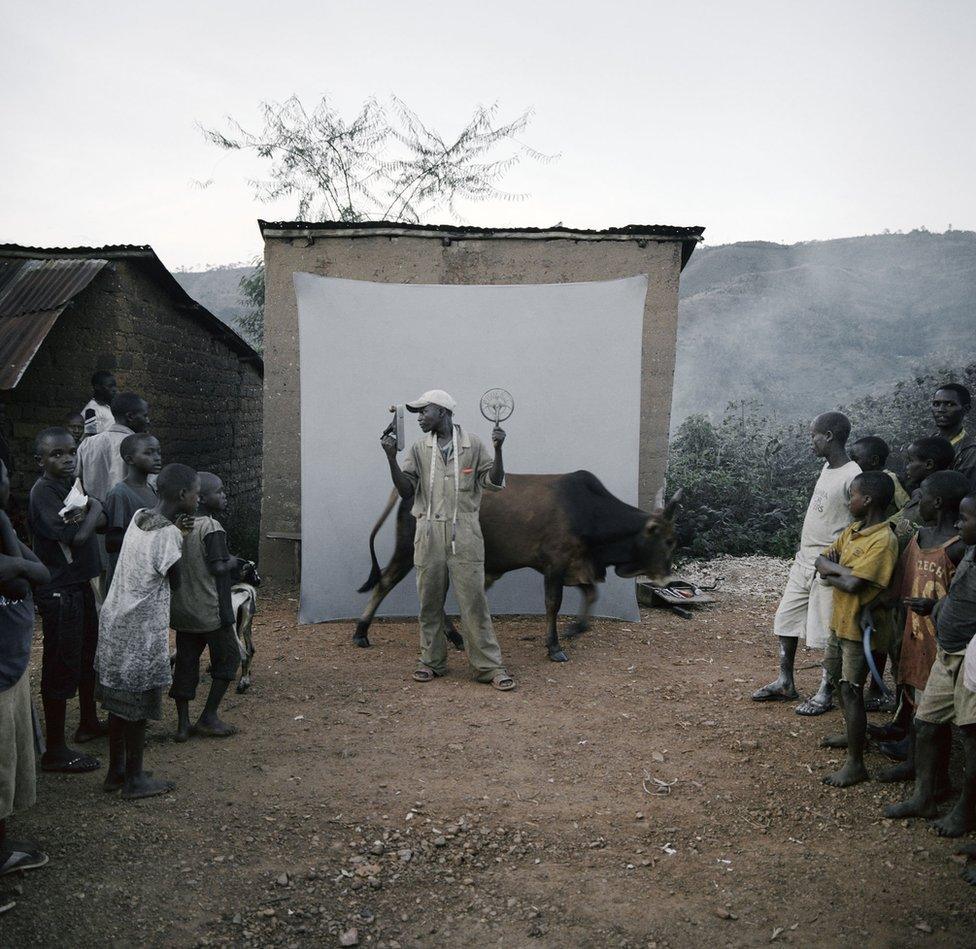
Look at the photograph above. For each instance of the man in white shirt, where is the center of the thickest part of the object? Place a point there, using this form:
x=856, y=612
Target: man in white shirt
x=100, y=463
x=804, y=611
x=98, y=412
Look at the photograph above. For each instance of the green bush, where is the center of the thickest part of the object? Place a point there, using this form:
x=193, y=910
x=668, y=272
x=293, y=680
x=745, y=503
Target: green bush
x=747, y=479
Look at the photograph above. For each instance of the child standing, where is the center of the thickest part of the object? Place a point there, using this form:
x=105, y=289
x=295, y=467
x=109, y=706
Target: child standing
x=946, y=700
x=97, y=413
x=804, y=610
x=927, y=568
x=870, y=453
x=75, y=424
x=925, y=457
x=143, y=457
x=858, y=566
x=133, y=649
x=203, y=616
x=69, y=550
x=19, y=569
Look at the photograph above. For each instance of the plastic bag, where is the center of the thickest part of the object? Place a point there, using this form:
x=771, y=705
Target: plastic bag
x=76, y=500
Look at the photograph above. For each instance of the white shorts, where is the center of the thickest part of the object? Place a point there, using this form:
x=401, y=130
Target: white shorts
x=805, y=607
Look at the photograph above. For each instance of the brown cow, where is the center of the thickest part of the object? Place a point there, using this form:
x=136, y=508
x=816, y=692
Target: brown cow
x=569, y=527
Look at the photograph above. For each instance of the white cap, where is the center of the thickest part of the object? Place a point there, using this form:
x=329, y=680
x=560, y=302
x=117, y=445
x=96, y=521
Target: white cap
x=433, y=397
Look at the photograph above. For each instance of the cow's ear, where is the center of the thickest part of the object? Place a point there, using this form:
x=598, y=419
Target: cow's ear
x=673, y=504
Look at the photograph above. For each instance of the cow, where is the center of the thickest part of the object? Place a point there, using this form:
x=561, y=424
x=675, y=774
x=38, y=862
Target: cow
x=569, y=527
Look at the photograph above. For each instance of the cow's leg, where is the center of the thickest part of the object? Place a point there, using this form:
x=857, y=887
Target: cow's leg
x=395, y=571
x=245, y=626
x=554, y=599
x=582, y=622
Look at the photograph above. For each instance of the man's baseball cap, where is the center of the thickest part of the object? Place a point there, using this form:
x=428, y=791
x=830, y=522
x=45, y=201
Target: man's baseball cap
x=433, y=397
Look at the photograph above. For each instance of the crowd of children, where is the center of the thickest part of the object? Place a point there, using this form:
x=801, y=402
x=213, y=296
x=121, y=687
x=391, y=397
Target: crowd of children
x=122, y=550
x=885, y=575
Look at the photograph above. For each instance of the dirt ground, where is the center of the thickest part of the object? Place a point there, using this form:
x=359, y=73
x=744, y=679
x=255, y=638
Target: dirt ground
x=633, y=796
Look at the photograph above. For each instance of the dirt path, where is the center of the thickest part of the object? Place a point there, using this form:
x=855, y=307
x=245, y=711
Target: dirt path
x=630, y=797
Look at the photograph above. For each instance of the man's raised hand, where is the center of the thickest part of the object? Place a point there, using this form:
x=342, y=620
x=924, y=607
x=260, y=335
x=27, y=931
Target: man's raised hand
x=389, y=443
x=497, y=436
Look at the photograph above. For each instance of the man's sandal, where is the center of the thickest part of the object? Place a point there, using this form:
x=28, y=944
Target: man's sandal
x=503, y=682
x=424, y=675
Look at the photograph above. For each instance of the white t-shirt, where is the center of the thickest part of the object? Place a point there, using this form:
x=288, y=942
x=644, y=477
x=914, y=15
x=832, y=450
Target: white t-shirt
x=100, y=421
x=827, y=514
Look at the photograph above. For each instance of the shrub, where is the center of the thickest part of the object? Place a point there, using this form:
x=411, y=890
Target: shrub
x=747, y=479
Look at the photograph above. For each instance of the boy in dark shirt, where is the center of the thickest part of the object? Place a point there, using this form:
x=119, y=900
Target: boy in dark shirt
x=203, y=616
x=946, y=700
x=68, y=548
x=19, y=569
x=143, y=457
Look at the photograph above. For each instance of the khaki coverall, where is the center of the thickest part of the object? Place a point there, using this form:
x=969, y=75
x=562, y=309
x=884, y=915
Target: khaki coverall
x=434, y=559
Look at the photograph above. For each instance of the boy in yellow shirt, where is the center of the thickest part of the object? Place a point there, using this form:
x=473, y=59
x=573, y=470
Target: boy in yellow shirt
x=858, y=565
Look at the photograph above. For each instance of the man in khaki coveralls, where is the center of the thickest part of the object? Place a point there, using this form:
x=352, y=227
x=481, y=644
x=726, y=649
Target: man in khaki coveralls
x=445, y=473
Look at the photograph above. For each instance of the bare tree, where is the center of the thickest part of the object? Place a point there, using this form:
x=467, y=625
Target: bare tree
x=383, y=165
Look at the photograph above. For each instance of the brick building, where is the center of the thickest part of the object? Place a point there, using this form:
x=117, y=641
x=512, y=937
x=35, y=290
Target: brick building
x=66, y=312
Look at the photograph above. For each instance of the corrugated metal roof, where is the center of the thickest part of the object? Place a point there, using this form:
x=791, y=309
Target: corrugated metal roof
x=21, y=344
x=20, y=338
x=41, y=285
x=32, y=295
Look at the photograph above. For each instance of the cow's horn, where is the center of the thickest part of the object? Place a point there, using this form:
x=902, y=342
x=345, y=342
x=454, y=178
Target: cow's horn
x=674, y=502
x=659, y=500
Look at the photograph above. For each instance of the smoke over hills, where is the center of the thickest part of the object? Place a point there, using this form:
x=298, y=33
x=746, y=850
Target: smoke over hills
x=800, y=328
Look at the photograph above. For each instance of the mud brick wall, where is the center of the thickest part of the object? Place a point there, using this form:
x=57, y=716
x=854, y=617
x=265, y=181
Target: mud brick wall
x=205, y=402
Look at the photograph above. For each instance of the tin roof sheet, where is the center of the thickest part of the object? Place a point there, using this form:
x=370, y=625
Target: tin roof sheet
x=40, y=285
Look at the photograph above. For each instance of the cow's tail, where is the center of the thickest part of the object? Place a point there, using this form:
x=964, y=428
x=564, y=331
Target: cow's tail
x=376, y=572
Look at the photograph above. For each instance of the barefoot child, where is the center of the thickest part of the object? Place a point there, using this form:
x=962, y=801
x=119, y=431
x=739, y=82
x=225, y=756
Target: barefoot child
x=871, y=453
x=858, y=566
x=804, y=610
x=69, y=550
x=927, y=568
x=946, y=700
x=143, y=457
x=19, y=569
x=203, y=616
x=133, y=648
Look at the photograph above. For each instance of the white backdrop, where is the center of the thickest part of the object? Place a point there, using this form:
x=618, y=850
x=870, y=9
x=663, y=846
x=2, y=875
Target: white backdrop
x=569, y=353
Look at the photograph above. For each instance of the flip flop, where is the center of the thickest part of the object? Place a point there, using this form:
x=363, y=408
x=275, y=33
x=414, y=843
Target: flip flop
x=79, y=764
x=424, y=675
x=503, y=682
x=19, y=859
x=7, y=906
x=766, y=694
x=810, y=708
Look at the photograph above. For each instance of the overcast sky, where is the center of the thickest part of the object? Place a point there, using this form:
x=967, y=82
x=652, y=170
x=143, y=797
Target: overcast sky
x=759, y=120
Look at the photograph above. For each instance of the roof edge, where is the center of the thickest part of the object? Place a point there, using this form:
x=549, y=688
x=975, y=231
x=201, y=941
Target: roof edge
x=631, y=232
x=158, y=271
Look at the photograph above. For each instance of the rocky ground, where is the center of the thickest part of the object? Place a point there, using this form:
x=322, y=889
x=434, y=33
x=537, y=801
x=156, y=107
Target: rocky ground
x=633, y=796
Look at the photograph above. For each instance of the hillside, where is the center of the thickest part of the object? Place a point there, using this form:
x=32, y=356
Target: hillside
x=805, y=326
x=218, y=289
x=798, y=327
